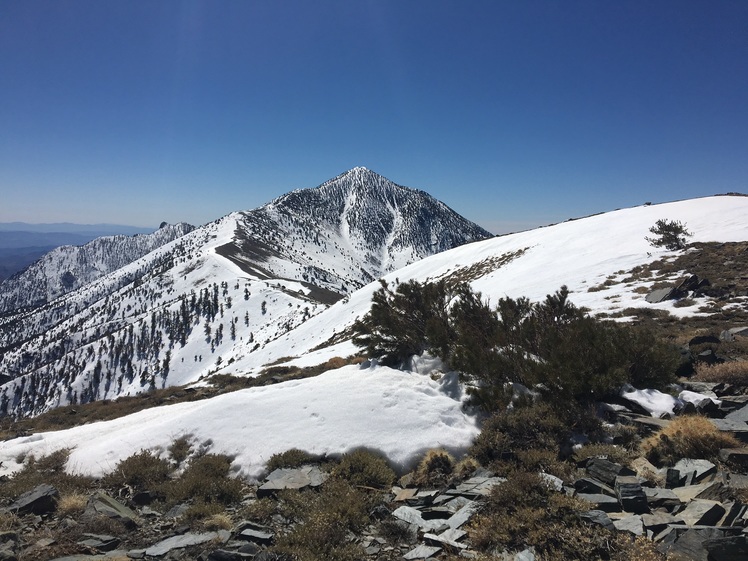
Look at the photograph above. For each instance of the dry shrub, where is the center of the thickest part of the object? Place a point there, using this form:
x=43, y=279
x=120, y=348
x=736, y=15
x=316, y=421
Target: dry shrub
x=689, y=436
x=545, y=461
x=259, y=510
x=535, y=426
x=48, y=469
x=205, y=480
x=734, y=373
x=71, y=504
x=219, y=521
x=465, y=468
x=435, y=468
x=364, y=468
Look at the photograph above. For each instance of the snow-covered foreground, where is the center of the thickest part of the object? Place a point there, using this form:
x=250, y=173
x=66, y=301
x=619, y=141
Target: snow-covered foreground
x=400, y=414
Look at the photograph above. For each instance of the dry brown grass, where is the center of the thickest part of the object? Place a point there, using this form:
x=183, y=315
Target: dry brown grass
x=734, y=373
x=219, y=521
x=690, y=436
x=71, y=504
x=435, y=468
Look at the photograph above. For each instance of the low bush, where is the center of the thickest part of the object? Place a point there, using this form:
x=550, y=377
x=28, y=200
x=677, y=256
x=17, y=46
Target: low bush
x=524, y=512
x=292, y=458
x=537, y=426
x=364, y=468
x=48, y=469
x=180, y=449
x=143, y=471
x=205, y=480
x=323, y=521
x=71, y=504
x=617, y=454
x=689, y=436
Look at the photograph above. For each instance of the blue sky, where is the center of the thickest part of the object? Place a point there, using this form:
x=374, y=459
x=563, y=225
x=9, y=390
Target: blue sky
x=515, y=114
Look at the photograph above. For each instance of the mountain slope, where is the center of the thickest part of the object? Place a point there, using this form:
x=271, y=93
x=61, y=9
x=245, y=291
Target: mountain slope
x=218, y=294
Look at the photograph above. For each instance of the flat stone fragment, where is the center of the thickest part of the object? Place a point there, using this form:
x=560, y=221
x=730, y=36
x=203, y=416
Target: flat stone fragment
x=657, y=496
x=700, y=468
x=598, y=517
x=413, y=516
x=593, y=486
x=256, y=536
x=422, y=552
x=729, y=548
x=476, y=486
x=736, y=456
x=101, y=503
x=286, y=478
x=462, y=515
x=178, y=542
x=444, y=540
x=606, y=471
x=405, y=494
x=603, y=502
x=702, y=512
x=632, y=524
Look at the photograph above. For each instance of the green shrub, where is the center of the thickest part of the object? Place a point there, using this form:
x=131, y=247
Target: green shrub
x=364, y=468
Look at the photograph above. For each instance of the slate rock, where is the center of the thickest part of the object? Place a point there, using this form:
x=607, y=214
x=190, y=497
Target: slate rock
x=631, y=495
x=632, y=524
x=100, y=542
x=702, y=512
x=605, y=503
x=286, y=478
x=178, y=542
x=413, y=516
x=422, y=552
x=700, y=468
x=659, y=295
x=729, y=548
x=592, y=486
x=598, y=517
x=690, y=545
x=40, y=500
x=606, y=471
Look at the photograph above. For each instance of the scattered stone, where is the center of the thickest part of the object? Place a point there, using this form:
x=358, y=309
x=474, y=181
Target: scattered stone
x=598, y=517
x=286, y=478
x=729, y=548
x=178, y=542
x=702, y=512
x=413, y=516
x=632, y=524
x=100, y=542
x=422, y=552
x=605, y=503
x=700, y=468
x=606, y=471
x=592, y=486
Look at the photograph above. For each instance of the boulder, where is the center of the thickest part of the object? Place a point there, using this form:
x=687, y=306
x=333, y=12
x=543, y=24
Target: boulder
x=728, y=548
x=40, y=500
x=695, y=470
x=701, y=512
x=606, y=471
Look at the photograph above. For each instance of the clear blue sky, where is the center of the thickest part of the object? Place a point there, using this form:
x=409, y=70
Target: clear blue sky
x=514, y=113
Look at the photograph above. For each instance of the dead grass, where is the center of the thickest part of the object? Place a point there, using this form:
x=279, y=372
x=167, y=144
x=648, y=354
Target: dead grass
x=435, y=469
x=689, y=436
x=72, y=504
x=734, y=373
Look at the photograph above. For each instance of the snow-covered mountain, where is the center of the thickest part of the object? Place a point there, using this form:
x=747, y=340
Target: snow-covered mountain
x=69, y=267
x=399, y=413
x=195, y=305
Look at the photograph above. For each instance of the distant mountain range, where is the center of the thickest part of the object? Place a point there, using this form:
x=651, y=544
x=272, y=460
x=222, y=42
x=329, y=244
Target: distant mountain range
x=120, y=314
x=22, y=243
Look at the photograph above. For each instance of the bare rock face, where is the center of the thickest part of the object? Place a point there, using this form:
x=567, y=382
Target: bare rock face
x=41, y=500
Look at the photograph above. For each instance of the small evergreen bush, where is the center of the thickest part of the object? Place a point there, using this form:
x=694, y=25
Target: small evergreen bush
x=435, y=469
x=670, y=234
